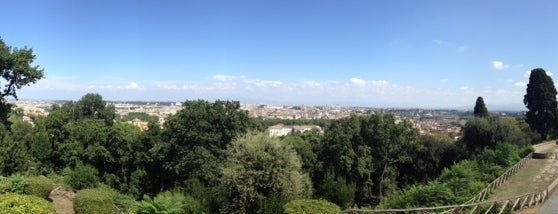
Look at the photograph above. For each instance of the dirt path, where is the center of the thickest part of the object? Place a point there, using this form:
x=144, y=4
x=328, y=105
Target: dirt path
x=63, y=200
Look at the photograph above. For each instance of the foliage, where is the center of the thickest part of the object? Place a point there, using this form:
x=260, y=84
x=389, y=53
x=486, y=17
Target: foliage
x=82, y=176
x=304, y=149
x=480, y=133
x=460, y=182
x=18, y=183
x=39, y=186
x=432, y=194
x=525, y=151
x=540, y=99
x=21, y=204
x=311, y=206
x=169, y=202
x=374, y=152
x=212, y=197
x=336, y=190
x=480, y=108
x=93, y=201
x=5, y=185
x=139, y=115
x=125, y=203
x=17, y=71
x=197, y=136
x=260, y=166
x=272, y=204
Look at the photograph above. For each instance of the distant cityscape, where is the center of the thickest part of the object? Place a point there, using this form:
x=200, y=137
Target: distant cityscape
x=428, y=121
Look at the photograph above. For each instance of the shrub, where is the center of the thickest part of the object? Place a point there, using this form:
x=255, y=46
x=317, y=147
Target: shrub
x=336, y=190
x=38, y=186
x=423, y=195
x=525, y=151
x=169, y=202
x=311, y=206
x=93, y=201
x=5, y=185
x=82, y=177
x=18, y=183
x=21, y=204
x=125, y=203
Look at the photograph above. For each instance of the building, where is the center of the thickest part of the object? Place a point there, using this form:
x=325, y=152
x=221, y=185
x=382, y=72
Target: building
x=283, y=130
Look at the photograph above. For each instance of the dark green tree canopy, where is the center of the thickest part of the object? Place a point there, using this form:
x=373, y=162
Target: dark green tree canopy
x=16, y=68
x=480, y=108
x=16, y=71
x=541, y=102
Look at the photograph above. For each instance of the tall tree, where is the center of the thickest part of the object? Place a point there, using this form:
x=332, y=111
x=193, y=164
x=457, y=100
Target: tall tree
x=197, y=136
x=480, y=108
x=541, y=102
x=17, y=71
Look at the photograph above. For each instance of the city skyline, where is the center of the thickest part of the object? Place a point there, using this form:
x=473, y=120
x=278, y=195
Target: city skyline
x=427, y=54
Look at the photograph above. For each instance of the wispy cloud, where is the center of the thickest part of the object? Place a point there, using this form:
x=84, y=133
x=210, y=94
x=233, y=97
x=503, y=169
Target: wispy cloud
x=355, y=91
x=220, y=77
x=520, y=84
x=357, y=81
x=499, y=65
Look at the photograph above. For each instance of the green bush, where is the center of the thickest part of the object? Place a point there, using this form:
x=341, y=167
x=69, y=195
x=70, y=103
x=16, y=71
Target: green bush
x=93, y=201
x=18, y=183
x=336, y=190
x=21, y=204
x=5, y=185
x=432, y=194
x=311, y=206
x=170, y=203
x=38, y=186
x=82, y=176
x=525, y=151
x=125, y=203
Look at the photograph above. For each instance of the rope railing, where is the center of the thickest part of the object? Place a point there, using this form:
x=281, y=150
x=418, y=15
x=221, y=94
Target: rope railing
x=498, y=206
x=479, y=201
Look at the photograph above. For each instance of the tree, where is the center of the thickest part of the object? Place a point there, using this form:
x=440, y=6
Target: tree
x=373, y=152
x=17, y=71
x=259, y=166
x=480, y=108
x=540, y=99
x=197, y=136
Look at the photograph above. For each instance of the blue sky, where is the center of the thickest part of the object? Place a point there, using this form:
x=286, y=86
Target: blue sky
x=427, y=54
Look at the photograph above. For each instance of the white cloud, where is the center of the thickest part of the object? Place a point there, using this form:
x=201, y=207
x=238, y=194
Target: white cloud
x=264, y=83
x=520, y=84
x=357, y=81
x=444, y=81
x=133, y=86
x=499, y=65
x=379, y=83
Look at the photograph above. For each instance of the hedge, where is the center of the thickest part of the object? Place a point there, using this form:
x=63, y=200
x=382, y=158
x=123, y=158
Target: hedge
x=311, y=206
x=93, y=201
x=38, y=186
x=21, y=204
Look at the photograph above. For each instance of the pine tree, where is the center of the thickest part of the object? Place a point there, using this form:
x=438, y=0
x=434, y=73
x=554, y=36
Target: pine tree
x=540, y=100
x=480, y=108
